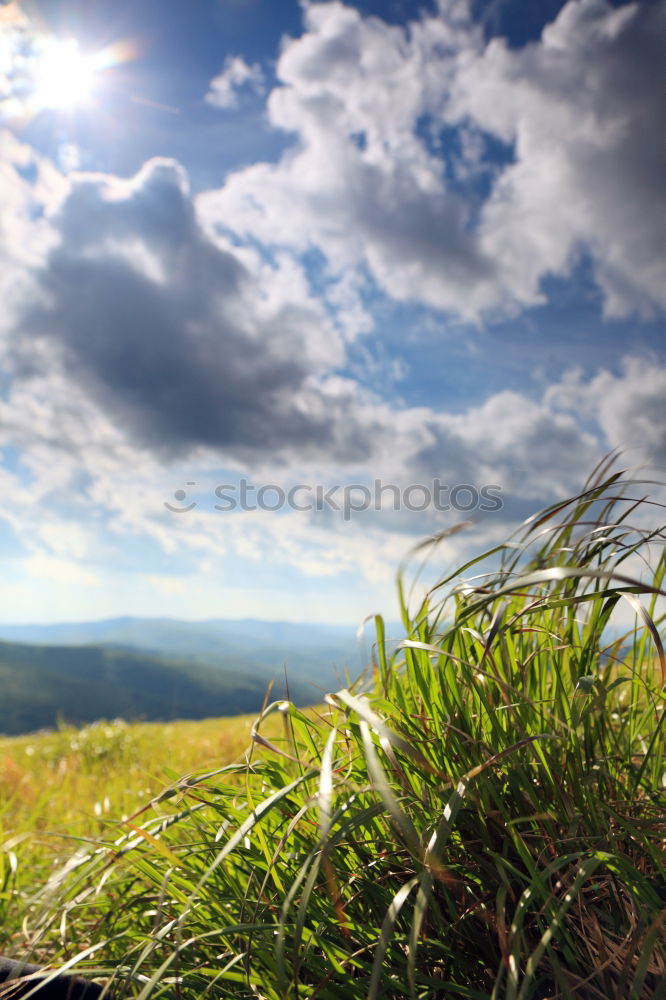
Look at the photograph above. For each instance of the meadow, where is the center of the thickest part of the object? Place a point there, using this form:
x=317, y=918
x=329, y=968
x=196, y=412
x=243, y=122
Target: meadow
x=484, y=819
x=60, y=788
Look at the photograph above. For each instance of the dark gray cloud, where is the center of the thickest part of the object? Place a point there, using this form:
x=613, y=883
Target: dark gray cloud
x=171, y=334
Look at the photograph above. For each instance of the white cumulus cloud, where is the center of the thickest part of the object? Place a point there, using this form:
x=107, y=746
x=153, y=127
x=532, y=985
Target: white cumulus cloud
x=236, y=75
x=393, y=127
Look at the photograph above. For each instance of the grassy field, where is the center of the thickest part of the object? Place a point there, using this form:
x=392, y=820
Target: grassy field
x=486, y=822
x=54, y=781
x=58, y=789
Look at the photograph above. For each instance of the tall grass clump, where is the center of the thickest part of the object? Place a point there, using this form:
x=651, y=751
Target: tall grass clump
x=485, y=821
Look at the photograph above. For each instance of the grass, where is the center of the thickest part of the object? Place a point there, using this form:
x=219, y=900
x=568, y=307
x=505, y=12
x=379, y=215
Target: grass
x=58, y=779
x=486, y=820
x=80, y=779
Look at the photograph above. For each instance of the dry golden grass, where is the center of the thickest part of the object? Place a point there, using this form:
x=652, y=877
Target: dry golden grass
x=56, y=787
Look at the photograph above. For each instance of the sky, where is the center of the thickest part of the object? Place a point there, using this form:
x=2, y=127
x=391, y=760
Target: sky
x=288, y=287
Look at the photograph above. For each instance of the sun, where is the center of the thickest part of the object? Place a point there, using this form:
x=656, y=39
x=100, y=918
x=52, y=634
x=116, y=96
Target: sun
x=41, y=71
x=63, y=76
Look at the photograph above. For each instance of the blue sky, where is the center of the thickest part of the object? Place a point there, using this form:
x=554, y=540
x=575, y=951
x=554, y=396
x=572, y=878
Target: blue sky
x=315, y=245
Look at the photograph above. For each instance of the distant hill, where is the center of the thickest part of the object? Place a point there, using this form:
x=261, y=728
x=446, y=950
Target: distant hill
x=40, y=684
x=315, y=653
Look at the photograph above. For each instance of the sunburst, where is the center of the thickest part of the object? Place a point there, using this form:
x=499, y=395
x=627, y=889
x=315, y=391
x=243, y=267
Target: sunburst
x=64, y=76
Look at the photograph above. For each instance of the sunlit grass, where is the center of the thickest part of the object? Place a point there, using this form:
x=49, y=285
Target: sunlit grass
x=107, y=767
x=487, y=822
x=58, y=787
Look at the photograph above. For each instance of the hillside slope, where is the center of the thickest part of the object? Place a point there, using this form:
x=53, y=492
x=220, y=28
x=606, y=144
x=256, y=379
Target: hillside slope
x=42, y=684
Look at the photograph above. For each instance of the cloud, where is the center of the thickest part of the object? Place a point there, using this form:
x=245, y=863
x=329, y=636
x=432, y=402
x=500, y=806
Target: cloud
x=359, y=183
x=627, y=406
x=149, y=339
x=394, y=165
x=140, y=304
x=94, y=494
x=13, y=36
x=182, y=341
x=150, y=336
x=61, y=571
x=236, y=75
x=143, y=333
x=531, y=449
x=30, y=188
x=581, y=109
x=542, y=449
